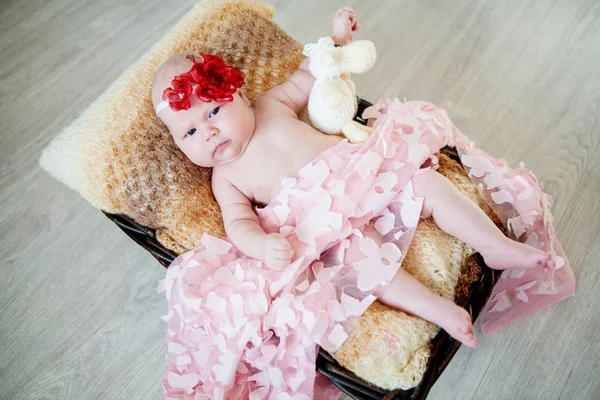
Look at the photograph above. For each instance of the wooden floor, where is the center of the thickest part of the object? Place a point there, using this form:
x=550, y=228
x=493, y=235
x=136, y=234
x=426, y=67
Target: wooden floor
x=79, y=312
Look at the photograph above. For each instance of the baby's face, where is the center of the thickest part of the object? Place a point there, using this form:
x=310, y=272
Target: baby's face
x=214, y=133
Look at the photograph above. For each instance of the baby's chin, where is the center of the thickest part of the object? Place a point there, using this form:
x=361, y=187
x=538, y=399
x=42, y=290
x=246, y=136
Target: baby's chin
x=232, y=153
x=216, y=162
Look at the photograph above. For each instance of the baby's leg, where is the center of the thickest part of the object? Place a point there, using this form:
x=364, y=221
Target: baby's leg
x=406, y=293
x=457, y=215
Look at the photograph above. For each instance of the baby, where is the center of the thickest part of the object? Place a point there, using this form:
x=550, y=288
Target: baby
x=251, y=149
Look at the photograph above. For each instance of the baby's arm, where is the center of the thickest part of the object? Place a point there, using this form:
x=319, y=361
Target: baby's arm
x=295, y=91
x=242, y=227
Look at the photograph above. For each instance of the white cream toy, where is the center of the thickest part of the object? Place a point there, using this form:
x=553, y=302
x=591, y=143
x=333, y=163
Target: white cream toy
x=332, y=102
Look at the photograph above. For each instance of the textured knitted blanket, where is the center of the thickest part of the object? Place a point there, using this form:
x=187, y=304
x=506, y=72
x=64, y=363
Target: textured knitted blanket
x=239, y=330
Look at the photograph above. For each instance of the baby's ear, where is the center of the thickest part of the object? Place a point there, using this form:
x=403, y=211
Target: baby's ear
x=326, y=41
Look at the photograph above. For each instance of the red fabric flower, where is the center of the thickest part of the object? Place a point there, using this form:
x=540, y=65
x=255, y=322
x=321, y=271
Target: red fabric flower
x=178, y=95
x=210, y=79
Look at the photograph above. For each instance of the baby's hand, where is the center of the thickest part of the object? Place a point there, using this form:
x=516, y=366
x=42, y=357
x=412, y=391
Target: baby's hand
x=344, y=24
x=277, y=251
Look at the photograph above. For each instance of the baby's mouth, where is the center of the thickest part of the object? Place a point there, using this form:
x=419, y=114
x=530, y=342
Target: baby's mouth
x=221, y=146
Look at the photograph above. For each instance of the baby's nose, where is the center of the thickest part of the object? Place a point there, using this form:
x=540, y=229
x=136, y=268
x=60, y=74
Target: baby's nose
x=210, y=132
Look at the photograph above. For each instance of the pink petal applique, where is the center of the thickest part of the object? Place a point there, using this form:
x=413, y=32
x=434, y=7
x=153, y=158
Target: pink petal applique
x=268, y=353
x=502, y=196
x=336, y=311
x=317, y=172
x=517, y=273
x=380, y=194
x=352, y=306
x=259, y=394
x=225, y=371
x=182, y=361
x=175, y=348
x=529, y=218
x=385, y=223
x=337, y=336
x=502, y=302
x=286, y=230
x=302, y=286
x=185, y=381
x=417, y=152
x=238, y=313
x=373, y=111
x=337, y=187
x=373, y=270
x=318, y=222
x=286, y=316
x=527, y=191
x=478, y=165
x=368, y=164
x=398, y=165
x=216, y=303
x=224, y=275
x=559, y=261
x=534, y=241
x=495, y=177
x=336, y=163
x=295, y=381
x=411, y=212
x=517, y=226
x=217, y=246
x=281, y=213
x=320, y=326
x=521, y=295
x=390, y=152
x=288, y=182
x=433, y=129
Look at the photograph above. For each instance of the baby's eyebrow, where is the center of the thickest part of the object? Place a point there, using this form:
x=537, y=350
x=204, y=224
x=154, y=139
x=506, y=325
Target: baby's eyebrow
x=180, y=130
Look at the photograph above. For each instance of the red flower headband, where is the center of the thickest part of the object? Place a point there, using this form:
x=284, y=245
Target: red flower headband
x=213, y=79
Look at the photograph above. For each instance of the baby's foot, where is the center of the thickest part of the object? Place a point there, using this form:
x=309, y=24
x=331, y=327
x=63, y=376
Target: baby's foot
x=457, y=322
x=511, y=254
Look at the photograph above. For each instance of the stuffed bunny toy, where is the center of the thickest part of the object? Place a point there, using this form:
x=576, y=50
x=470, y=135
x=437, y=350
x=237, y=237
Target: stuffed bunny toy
x=332, y=102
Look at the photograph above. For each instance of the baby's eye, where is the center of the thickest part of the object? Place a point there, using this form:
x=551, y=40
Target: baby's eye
x=214, y=112
x=191, y=132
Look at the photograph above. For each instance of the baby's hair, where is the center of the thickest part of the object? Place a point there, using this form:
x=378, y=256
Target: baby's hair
x=172, y=67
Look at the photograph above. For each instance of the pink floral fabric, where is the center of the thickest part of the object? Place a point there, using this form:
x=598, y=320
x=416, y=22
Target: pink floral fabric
x=239, y=330
x=517, y=198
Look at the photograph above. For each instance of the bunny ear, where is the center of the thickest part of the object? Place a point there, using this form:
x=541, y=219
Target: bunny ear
x=309, y=50
x=326, y=41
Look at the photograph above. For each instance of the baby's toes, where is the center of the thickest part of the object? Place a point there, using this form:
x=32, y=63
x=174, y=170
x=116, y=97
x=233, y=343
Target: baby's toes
x=342, y=11
x=467, y=329
x=541, y=258
x=472, y=341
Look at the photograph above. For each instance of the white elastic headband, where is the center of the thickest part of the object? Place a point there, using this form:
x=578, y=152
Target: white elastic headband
x=161, y=106
x=164, y=104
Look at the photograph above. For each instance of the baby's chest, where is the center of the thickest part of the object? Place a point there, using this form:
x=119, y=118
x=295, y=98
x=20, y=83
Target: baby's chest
x=263, y=179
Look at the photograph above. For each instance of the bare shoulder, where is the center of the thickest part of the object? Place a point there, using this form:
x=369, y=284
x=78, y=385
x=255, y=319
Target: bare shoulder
x=294, y=92
x=274, y=103
x=222, y=185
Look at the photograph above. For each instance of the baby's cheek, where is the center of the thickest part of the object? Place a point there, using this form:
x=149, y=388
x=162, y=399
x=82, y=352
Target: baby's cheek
x=195, y=156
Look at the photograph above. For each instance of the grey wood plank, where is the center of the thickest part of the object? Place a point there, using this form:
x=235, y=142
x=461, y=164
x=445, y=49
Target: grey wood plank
x=79, y=312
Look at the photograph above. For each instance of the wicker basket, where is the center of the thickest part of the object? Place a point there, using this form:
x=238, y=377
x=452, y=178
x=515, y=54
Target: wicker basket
x=443, y=346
